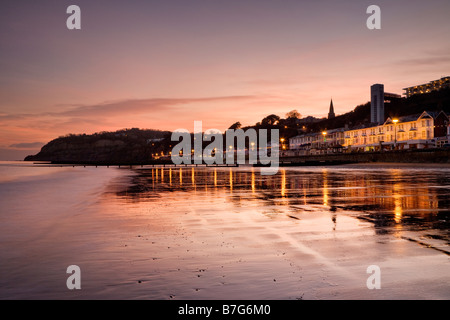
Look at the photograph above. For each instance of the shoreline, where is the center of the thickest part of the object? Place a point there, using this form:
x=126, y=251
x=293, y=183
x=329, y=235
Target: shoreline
x=356, y=165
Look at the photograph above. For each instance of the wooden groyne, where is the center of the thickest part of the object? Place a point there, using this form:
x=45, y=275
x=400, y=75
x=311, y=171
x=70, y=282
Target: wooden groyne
x=150, y=164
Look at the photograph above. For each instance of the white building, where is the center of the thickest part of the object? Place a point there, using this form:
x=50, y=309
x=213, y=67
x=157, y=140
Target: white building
x=408, y=132
x=329, y=141
x=425, y=130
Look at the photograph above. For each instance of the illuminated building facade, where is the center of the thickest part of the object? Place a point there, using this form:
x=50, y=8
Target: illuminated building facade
x=408, y=132
x=428, y=87
x=425, y=130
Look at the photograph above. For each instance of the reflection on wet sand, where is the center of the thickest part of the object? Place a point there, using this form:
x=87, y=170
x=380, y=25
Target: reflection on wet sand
x=321, y=222
x=227, y=233
x=389, y=198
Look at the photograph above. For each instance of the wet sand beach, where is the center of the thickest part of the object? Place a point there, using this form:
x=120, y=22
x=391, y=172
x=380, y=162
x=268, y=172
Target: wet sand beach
x=226, y=233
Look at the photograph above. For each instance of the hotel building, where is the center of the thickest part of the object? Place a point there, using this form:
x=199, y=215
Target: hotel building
x=408, y=132
x=428, y=87
x=425, y=130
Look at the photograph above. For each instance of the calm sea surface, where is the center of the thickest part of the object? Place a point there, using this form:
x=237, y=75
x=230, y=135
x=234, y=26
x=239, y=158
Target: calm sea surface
x=224, y=233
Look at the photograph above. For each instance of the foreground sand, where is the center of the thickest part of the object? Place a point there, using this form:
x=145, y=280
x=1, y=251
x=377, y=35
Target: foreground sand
x=200, y=242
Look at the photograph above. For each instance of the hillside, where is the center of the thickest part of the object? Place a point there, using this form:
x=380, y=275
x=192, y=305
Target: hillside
x=120, y=147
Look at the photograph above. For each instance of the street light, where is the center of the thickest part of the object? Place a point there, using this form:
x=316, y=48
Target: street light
x=395, y=128
x=324, y=133
x=283, y=147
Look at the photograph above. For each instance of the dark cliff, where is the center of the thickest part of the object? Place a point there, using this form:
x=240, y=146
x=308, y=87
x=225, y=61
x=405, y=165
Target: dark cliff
x=120, y=147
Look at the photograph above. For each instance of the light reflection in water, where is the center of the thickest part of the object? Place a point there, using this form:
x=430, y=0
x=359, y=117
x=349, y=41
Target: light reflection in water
x=215, y=177
x=387, y=198
x=325, y=187
x=231, y=179
x=253, y=182
x=283, y=183
x=396, y=194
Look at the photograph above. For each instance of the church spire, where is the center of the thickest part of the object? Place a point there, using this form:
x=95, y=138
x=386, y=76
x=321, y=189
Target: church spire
x=331, y=114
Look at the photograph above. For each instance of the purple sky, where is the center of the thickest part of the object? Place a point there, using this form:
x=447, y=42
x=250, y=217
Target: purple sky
x=163, y=64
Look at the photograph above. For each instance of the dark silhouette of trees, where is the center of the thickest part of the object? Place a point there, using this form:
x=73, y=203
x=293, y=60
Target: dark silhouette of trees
x=235, y=126
x=270, y=120
x=294, y=114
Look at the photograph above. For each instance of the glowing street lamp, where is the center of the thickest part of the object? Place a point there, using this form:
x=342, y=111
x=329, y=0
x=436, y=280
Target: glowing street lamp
x=324, y=133
x=395, y=134
x=283, y=146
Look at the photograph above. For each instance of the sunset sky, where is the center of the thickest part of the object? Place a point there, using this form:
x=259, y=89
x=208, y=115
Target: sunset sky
x=163, y=64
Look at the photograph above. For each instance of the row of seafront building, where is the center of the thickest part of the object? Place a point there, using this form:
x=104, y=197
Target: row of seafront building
x=426, y=130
